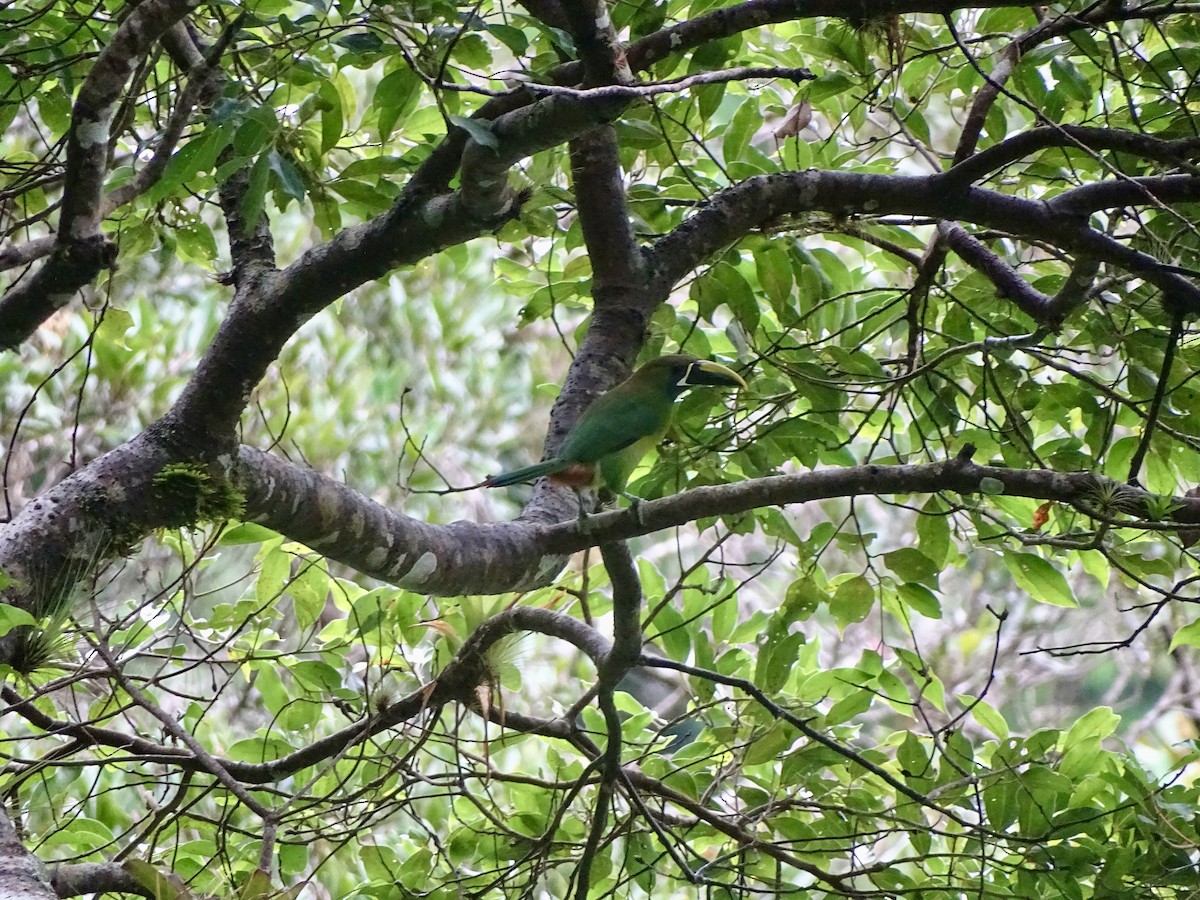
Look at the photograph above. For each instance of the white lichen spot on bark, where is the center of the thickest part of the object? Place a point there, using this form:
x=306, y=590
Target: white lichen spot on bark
x=270, y=488
x=870, y=205
x=92, y=133
x=358, y=524
x=425, y=566
x=376, y=558
x=548, y=567
x=327, y=507
x=433, y=213
x=398, y=566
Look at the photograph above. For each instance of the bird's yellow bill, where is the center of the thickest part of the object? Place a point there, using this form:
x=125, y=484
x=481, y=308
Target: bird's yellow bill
x=707, y=372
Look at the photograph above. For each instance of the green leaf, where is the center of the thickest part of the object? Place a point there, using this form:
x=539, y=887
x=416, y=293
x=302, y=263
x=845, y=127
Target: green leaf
x=1095, y=724
x=479, y=130
x=912, y=565
x=771, y=745
x=848, y=707
x=1187, y=636
x=287, y=177
x=776, y=657
x=989, y=485
x=309, y=590
x=162, y=885
x=933, y=532
x=774, y=269
x=986, y=715
x=13, y=617
x=852, y=601
x=1039, y=579
x=920, y=599
x=195, y=243
x=114, y=326
x=246, y=533
x=360, y=42
x=257, y=886
x=256, y=191
x=273, y=573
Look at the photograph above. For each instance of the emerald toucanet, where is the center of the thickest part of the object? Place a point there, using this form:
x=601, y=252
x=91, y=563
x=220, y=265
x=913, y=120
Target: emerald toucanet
x=621, y=426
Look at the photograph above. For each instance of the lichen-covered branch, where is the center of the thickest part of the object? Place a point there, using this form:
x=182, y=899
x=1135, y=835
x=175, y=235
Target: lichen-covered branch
x=468, y=558
x=22, y=875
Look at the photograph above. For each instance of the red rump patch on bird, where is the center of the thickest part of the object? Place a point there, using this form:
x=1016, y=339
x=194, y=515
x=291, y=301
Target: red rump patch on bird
x=576, y=475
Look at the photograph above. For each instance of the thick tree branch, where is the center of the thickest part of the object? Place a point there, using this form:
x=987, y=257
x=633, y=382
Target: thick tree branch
x=100, y=510
x=521, y=133
x=1184, y=151
x=76, y=879
x=672, y=85
x=467, y=558
x=22, y=875
x=627, y=613
x=600, y=197
x=417, y=226
x=734, y=212
x=1076, y=289
x=1153, y=190
x=600, y=50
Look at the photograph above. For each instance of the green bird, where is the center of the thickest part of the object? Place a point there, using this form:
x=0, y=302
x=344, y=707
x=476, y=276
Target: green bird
x=623, y=425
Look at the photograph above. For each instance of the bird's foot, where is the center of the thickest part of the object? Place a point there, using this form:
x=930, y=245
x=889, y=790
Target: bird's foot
x=585, y=521
x=635, y=506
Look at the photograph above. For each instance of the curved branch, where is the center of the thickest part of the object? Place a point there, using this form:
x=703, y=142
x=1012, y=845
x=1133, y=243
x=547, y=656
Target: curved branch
x=455, y=684
x=1100, y=195
x=1184, y=151
x=80, y=250
x=739, y=209
x=1008, y=283
x=467, y=558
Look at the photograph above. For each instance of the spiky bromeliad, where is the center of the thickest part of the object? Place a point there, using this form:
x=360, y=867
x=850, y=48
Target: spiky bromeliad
x=623, y=425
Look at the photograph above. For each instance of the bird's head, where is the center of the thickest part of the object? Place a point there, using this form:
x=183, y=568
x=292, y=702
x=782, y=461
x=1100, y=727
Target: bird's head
x=679, y=371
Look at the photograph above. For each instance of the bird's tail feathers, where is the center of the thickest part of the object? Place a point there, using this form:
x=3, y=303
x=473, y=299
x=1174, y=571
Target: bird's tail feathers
x=528, y=473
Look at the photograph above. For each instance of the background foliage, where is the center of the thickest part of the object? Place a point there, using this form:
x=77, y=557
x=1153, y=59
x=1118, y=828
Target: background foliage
x=880, y=693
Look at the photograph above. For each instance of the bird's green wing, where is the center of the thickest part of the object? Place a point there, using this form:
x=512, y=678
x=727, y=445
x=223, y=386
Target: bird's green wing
x=614, y=422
